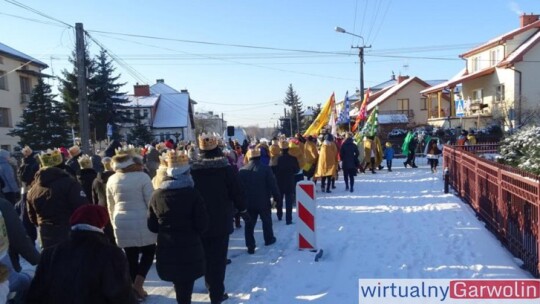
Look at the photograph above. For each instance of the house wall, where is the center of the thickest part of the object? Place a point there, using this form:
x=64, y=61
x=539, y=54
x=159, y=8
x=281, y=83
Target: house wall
x=10, y=99
x=530, y=73
x=170, y=133
x=411, y=92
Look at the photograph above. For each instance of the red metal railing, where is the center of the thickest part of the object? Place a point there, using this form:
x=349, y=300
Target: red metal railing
x=506, y=198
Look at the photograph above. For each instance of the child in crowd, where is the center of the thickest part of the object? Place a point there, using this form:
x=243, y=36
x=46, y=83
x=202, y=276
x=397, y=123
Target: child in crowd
x=389, y=155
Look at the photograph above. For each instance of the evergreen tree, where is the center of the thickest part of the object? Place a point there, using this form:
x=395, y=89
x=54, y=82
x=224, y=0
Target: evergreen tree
x=521, y=149
x=139, y=134
x=43, y=123
x=293, y=101
x=105, y=102
x=69, y=88
x=308, y=120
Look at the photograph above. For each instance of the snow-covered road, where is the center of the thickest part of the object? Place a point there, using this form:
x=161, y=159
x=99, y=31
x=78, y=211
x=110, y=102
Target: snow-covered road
x=395, y=225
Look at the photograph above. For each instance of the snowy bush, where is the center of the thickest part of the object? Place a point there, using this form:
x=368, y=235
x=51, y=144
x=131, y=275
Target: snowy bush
x=522, y=150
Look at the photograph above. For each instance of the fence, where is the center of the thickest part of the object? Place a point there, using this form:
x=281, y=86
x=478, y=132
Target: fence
x=506, y=198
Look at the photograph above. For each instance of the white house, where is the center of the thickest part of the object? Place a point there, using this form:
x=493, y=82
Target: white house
x=499, y=80
x=18, y=75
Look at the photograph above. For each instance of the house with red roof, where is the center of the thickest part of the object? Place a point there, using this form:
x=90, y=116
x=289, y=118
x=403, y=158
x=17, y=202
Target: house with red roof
x=499, y=83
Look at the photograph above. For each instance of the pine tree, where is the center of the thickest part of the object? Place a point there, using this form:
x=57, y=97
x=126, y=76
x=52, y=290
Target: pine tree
x=105, y=103
x=293, y=101
x=139, y=134
x=69, y=88
x=43, y=123
x=522, y=149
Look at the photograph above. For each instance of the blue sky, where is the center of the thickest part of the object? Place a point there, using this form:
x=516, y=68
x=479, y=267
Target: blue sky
x=418, y=38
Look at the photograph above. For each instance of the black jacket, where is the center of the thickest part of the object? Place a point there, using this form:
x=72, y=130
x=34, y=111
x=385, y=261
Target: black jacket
x=86, y=179
x=51, y=200
x=286, y=169
x=178, y=215
x=110, y=151
x=217, y=182
x=28, y=169
x=86, y=269
x=259, y=184
x=73, y=163
x=349, y=155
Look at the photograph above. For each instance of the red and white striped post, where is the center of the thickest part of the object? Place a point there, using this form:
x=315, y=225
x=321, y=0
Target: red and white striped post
x=306, y=207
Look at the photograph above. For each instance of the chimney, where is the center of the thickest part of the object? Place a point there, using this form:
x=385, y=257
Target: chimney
x=527, y=19
x=141, y=90
x=184, y=91
x=160, y=80
x=400, y=78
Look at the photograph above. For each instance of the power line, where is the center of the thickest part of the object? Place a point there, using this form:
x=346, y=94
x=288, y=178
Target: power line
x=35, y=11
x=33, y=20
x=374, y=19
x=382, y=21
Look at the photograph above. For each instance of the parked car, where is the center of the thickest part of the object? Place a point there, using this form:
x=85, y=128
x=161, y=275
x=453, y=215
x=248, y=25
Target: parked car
x=397, y=133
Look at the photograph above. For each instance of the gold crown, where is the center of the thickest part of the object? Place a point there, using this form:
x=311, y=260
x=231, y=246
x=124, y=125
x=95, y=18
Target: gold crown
x=85, y=161
x=129, y=150
x=208, y=141
x=253, y=151
x=176, y=158
x=163, y=159
x=283, y=142
x=51, y=158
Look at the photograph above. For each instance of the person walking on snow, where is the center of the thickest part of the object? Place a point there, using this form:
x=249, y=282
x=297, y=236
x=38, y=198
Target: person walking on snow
x=349, y=161
x=389, y=155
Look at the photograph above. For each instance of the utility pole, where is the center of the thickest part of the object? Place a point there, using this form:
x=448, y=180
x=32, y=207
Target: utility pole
x=297, y=120
x=361, y=58
x=84, y=132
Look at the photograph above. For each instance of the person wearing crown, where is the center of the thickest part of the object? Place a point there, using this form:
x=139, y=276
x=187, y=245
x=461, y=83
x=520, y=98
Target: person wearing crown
x=86, y=176
x=259, y=185
x=128, y=194
x=99, y=195
x=178, y=215
x=51, y=200
x=217, y=182
x=287, y=168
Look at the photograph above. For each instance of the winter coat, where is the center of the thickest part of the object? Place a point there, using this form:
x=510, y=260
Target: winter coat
x=27, y=171
x=128, y=194
x=99, y=195
x=349, y=155
x=296, y=149
x=239, y=160
x=328, y=159
x=152, y=161
x=86, y=269
x=378, y=150
x=259, y=184
x=51, y=200
x=96, y=163
x=311, y=154
x=434, y=150
x=287, y=167
x=265, y=155
x=389, y=153
x=73, y=163
x=178, y=215
x=8, y=176
x=217, y=182
x=86, y=179
x=110, y=151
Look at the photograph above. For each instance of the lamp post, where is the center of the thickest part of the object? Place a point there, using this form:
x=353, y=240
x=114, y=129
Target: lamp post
x=360, y=56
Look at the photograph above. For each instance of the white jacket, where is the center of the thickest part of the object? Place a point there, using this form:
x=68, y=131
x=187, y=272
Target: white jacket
x=128, y=195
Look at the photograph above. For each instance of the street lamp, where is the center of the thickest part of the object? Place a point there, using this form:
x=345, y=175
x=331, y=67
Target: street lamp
x=360, y=56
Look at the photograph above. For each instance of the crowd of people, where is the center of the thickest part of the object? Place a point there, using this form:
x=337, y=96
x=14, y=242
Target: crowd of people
x=102, y=220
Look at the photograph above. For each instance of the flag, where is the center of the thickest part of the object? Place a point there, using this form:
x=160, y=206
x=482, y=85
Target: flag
x=332, y=122
x=344, y=117
x=372, y=123
x=363, y=111
x=322, y=119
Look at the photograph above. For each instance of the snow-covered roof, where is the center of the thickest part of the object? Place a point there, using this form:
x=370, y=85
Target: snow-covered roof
x=173, y=107
x=9, y=51
x=392, y=118
x=142, y=101
x=457, y=79
x=517, y=54
x=393, y=90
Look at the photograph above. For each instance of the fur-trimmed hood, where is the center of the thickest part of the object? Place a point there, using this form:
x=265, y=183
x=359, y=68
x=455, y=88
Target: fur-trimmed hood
x=210, y=163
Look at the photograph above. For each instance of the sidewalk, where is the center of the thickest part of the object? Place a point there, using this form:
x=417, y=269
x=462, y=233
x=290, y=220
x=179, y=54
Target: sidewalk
x=395, y=225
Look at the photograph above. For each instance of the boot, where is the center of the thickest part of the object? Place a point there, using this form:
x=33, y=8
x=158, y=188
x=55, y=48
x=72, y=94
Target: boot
x=138, y=287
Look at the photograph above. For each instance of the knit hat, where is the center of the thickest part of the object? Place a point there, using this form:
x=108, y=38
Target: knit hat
x=89, y=214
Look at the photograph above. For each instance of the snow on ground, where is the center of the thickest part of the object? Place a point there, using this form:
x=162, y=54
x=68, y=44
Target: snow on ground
x=395, y=225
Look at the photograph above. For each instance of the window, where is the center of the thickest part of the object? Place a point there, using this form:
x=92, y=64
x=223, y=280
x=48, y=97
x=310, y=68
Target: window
x=5, y=120
x=475, y=64
x=145, y=115
x=26, y=87
x=3, y=81
x=423, y=104
x=403, y=105
x=477, y=96
x=499, y=92
x=494, y=56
